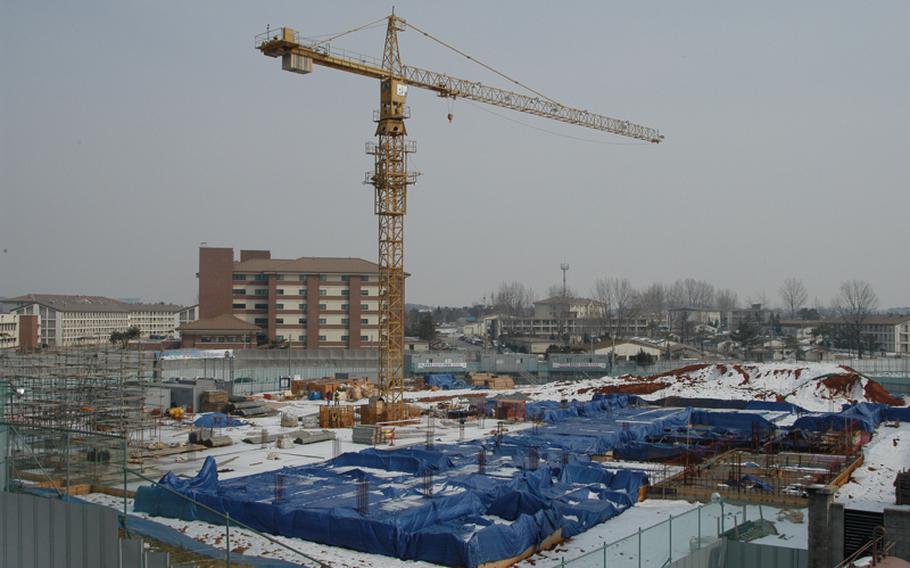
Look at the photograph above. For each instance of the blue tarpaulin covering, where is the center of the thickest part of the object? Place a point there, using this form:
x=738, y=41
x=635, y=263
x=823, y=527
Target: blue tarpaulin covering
x=445, y=381
x=217, y=420
x=863, y=416
x=457, y=526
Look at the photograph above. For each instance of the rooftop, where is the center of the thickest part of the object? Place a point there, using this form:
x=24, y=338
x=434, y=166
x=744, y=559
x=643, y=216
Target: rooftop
x=308, y=264
x=78, y=303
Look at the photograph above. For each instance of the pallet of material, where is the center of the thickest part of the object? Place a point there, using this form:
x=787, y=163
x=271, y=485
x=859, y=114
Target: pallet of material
x=213, y=401
x=492, y=381
x=369, y=434
x=299, y=437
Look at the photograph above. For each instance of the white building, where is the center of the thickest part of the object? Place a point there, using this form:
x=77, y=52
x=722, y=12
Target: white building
x=66, y=320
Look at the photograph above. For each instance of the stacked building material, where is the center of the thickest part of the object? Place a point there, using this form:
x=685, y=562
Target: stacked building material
x=492, y=381
x=213, y=401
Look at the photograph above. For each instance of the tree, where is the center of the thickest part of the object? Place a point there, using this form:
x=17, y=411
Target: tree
x=698, y=293
x=727, y=300
x=855, y=303
x=426, y=327
x=555, y=291
x=124, y=337
x=794, y=296
x=513, y=299
x=618, y=302
x=747, y=334
x=652, y=303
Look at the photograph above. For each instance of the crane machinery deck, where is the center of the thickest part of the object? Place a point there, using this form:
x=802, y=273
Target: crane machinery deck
x=390, y=176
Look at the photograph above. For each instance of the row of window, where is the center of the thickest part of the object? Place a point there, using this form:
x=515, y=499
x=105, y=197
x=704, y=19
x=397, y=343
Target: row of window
x=300, y=307
x=302, y=338
x=322, y=277
x=280, y=292
x=323, y=321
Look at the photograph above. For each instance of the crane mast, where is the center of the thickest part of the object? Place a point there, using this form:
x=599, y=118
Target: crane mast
x=390, y=177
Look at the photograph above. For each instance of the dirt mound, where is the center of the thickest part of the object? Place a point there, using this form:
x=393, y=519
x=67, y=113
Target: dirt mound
x=841, y=385
x=632, y=388
x=877, y=393
x=679, y=373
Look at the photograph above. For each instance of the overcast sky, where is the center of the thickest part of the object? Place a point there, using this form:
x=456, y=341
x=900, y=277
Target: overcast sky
x=132, y=131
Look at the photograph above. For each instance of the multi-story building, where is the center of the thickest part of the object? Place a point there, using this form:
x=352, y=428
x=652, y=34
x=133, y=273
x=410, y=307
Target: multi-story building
x=888, y=333
x=559, y=307
x=306, y=302
x=18, y=332
x=68, y=320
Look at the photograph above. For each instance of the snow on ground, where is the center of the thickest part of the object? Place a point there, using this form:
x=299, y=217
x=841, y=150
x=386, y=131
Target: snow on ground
x=801, y=384
x=656, y=542
x=872, y=485
x=249, y=543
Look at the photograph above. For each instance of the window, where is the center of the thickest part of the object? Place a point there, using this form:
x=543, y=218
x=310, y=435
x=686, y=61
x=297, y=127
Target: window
x=345, y=307
x=279, y=320
x=345, y=292
x=364, y=338
x=279, y=277
x=261, y=277
x=322, y=320
x=279, y=291
x=279, y=306
x=323, y=292
x=321, y=338
x=301, y=338
x=364, y=321
x=364, y=278
x=322, y=307
x=323, y=277
x=364, y=292
x=344, y=337
x=239, y=292
x=365, y=307
x=238, y=306
x=301, y=320
x=279, y=338
x=240, y=277
x=345, y=278
x=301, y=307
x=261, y=306
x=345, y=321
x=261, y=321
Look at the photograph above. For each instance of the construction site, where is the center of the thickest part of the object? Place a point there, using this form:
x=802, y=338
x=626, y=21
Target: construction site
x=703, y=464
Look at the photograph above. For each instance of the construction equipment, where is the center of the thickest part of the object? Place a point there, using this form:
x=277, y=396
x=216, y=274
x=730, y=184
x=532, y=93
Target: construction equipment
x=390, y=176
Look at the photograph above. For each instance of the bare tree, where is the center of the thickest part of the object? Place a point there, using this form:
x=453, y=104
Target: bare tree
x=618, y=300
x=652, y=303
x=794, y=296
x=555, y=291
x=727, y=300
x=699, y=294
x=855, y=303
x=675, y=295
x=513, y=298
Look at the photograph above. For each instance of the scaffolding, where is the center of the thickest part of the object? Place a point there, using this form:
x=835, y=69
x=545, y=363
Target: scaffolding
x=76, y=416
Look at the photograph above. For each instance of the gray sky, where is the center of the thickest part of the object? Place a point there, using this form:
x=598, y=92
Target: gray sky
x=132, y=131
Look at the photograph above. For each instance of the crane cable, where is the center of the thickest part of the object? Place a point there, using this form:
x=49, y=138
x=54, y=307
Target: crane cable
x=482, y=64
x=357, y=29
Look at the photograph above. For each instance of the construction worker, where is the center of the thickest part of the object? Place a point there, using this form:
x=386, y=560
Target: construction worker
x=336, y=396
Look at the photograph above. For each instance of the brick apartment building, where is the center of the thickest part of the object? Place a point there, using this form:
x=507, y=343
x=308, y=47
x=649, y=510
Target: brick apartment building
x=308, y=302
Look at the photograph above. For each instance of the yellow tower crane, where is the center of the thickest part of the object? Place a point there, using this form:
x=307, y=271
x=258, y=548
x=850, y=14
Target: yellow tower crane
x=390, y=176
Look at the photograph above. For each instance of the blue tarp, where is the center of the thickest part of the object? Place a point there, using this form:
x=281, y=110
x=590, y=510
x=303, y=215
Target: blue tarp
x=863, y=416
x=445, y=381
x=742, y=421
x=217, y=420
x=318, y=503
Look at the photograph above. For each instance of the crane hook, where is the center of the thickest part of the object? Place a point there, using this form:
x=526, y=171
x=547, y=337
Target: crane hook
x=451, y=116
